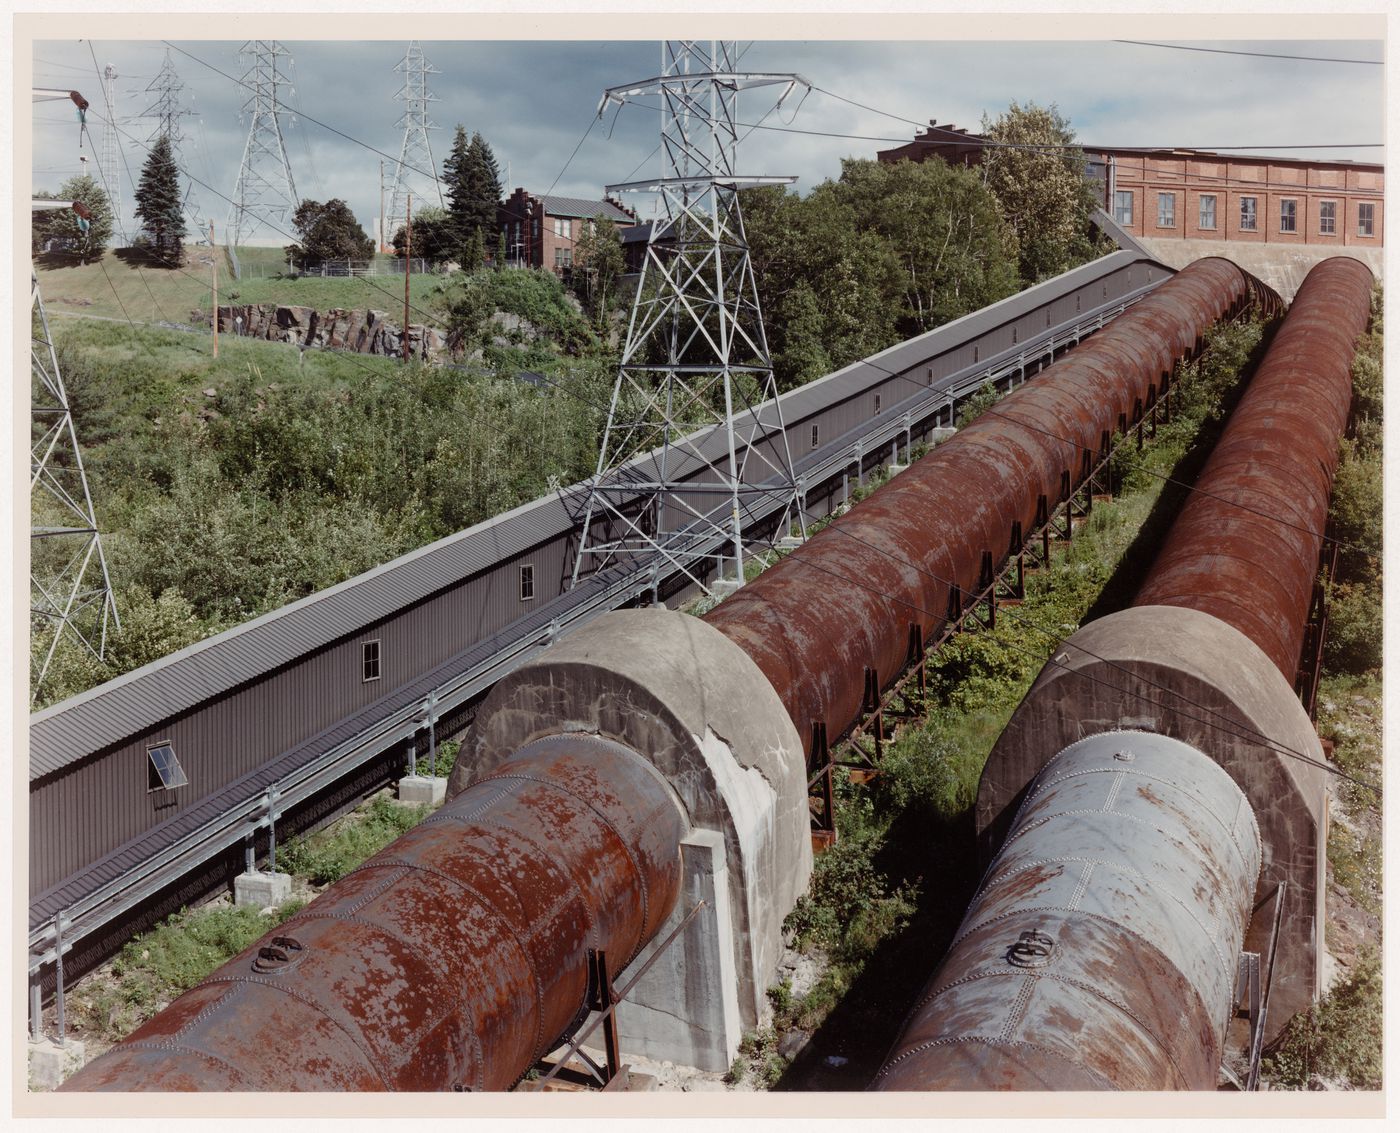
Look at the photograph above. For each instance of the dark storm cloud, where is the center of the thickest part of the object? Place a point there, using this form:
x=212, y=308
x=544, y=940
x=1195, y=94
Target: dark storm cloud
x=533, y=101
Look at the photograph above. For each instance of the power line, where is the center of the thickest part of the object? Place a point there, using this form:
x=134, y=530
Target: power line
x=956, y=138
x=1252, y=54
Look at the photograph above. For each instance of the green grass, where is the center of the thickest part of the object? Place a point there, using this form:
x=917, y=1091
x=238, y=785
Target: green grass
x=329, y=855
x=155, y=967
x=132, y=288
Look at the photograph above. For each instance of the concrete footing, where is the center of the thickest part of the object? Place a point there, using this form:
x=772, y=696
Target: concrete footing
x=50, y=1063
x=724, y=587
x=422, y=789
x=259, y=890
x=686, y=1008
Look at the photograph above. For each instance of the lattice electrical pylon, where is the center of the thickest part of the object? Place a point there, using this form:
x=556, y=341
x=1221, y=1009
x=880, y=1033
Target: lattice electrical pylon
x=265, y=194
x=70, y=589
x=695, y=383
x=167, y=112
x=111, y=150
x=416, y=175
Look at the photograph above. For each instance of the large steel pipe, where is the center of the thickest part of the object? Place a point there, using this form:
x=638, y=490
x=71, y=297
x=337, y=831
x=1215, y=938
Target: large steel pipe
x=1100, y=951
x=814, y=622
x=1245, y=547
x=453, y=959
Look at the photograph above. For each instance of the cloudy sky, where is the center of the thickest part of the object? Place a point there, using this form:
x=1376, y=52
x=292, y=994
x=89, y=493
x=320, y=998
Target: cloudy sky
x=535, y=101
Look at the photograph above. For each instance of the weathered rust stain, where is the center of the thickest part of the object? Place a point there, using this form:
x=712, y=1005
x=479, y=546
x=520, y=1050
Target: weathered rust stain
x=454, y=957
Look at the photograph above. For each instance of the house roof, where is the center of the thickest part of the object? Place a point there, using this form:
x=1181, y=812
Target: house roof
x=580, y=206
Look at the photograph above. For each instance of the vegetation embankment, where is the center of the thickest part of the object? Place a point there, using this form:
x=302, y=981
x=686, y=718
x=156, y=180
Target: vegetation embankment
x=226, y=488
x=1338, y=1044
x=886, y=898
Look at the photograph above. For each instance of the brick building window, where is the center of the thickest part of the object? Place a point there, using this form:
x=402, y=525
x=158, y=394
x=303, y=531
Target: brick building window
x=1288, y=216
x=1208, y=210
x=1366, y=220
x=369, y=661
x=568, y=257
x=1327, y=218
x=1166, y=210
x=527, y=582
x=1249, y=213
x=558, y=257
x=1123, y=206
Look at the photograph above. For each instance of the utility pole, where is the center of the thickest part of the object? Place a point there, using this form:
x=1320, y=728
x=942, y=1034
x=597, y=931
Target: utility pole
x=407, y=271
x=265, y=193
x=696, y=378
x=214, y=265
x=417, y=170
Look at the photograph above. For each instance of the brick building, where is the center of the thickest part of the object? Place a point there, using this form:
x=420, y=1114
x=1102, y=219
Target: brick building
x=543, y=231
x=1198, y=195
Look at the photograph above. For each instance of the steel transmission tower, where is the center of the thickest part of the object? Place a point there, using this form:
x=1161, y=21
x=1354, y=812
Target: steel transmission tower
x=416, y=152
x=111, y=150
x=695, y=372
x=70, y=590
x=265, y=193
x=167, y=112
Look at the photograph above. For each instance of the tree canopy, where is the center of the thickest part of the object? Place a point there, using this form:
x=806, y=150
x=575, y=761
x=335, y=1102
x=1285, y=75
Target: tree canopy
x=87, y=242
x=158, y=204
x=434, y=235
x=1042, y=192
x=880, y=254
x=599, y=259
x=328, y=232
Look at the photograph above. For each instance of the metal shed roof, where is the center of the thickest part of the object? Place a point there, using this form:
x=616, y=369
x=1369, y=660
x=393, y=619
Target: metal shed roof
x=581, y=206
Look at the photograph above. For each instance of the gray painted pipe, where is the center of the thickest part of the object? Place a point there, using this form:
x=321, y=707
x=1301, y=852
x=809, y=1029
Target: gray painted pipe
x=1101, y=950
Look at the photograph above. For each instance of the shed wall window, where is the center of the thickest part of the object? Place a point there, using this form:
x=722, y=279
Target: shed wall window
x=163, y=770
x=1366, y=220
x=877, y=403
x=527, y=582
x=1166, y=210
x=369, y=661
x=816, y=435
x=1327, y=218
x=1249, y=213
x=1123, y=206
x=1288, y=216
x=1207, y=210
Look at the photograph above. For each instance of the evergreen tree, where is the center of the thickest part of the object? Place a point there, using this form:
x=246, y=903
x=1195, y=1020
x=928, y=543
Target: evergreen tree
x=482, y=181
x=85, y=241
x=158, y=203
x=455, y=182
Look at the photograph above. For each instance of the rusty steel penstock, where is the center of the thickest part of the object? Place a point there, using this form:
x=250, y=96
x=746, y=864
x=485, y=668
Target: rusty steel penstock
x=457, y=955
x=845, y=601
x=1245, y=547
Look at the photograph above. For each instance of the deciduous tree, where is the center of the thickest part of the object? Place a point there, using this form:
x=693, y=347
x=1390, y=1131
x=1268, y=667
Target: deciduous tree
x=328, y=232
x=88, y=239
x=1042, y=192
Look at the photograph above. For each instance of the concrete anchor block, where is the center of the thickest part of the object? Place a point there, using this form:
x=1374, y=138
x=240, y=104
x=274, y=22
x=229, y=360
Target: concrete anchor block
x=686, y=1008
x=259, y=890
x=50, y=1063
x=724, y=587
x=422, y=790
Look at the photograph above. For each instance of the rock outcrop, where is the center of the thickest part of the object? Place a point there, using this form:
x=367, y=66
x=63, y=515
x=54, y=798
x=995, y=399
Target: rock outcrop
x=364, y=332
